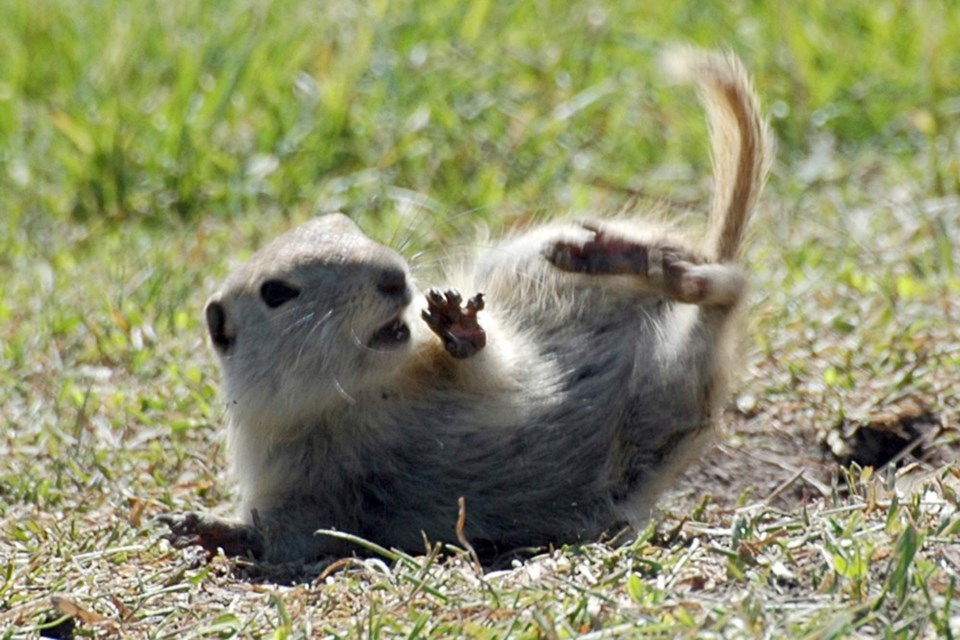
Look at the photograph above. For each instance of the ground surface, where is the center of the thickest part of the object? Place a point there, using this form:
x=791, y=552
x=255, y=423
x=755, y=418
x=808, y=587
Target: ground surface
x=146, y=149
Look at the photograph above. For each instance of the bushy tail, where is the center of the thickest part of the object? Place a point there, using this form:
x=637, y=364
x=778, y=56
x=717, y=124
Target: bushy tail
x=741, y=143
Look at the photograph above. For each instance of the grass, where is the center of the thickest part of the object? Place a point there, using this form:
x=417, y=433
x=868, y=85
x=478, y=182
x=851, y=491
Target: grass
x=147, y=147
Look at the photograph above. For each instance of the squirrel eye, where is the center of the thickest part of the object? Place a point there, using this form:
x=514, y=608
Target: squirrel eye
x=276, y=292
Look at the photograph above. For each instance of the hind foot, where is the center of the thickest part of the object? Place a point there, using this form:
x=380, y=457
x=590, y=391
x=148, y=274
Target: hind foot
x=457, y=326
x=212, y=533
x=675, y=273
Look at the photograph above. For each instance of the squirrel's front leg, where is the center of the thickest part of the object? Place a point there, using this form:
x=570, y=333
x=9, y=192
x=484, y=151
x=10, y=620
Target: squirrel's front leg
x=456, y=325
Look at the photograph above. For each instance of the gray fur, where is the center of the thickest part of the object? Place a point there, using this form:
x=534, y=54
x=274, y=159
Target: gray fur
x=592, y=391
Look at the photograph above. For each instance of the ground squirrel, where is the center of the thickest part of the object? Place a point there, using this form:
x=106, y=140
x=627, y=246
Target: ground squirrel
x=558, y=402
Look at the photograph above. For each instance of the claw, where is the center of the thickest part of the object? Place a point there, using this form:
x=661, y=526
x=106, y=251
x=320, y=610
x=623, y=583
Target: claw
x=475, y=304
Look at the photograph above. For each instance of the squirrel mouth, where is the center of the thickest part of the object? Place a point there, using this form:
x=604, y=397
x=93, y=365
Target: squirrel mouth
x=393, y=334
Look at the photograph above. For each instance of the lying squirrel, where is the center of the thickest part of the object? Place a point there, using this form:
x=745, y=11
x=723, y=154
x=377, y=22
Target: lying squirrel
x=558, y=403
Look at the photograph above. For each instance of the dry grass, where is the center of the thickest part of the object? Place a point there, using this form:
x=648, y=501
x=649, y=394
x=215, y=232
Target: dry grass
x=119, y=215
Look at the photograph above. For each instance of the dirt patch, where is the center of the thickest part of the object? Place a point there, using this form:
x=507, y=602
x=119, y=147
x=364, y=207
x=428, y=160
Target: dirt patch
x=772, y=456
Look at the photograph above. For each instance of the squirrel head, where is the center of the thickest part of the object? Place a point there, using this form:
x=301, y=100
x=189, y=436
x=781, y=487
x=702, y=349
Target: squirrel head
x=311, y=320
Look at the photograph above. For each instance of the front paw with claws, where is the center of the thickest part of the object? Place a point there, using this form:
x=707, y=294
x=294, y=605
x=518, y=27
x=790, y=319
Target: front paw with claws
x=456, y=325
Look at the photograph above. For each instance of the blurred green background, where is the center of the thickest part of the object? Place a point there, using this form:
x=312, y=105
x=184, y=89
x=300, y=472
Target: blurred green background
x=148, y=111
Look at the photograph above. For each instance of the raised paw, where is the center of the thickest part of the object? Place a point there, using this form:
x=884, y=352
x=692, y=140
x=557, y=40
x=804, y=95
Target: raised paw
x=606, y=254
x=212, y=533
x=703, y=284
x=456, y=325
x=599, y=255
x=673, y=272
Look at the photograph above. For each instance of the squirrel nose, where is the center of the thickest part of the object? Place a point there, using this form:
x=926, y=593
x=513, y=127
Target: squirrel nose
x=393, y=284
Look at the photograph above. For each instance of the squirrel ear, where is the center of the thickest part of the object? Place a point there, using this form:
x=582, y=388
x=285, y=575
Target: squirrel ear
x=221, y=336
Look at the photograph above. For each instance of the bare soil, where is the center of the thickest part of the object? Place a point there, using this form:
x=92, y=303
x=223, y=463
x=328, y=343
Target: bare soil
x=772, y=456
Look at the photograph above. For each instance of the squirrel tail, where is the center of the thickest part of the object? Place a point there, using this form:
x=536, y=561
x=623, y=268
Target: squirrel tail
x=741, y=142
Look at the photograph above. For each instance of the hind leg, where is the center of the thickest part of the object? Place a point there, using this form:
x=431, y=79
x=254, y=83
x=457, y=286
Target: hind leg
x=675, y=273
x=212, y=533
